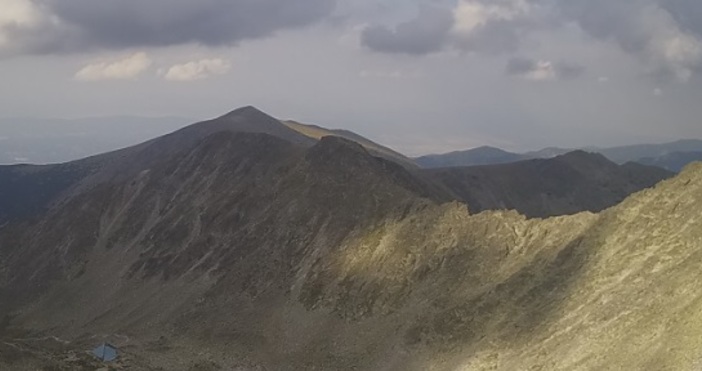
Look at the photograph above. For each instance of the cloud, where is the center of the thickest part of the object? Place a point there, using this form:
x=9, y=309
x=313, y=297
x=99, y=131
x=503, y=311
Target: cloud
x=196, y=70
x=425, y=34
x=665, y=35
x=64, y=26
x=539, y=70
x=492, y=26
x=482, y=26
x=127, y=68
x=15, y=15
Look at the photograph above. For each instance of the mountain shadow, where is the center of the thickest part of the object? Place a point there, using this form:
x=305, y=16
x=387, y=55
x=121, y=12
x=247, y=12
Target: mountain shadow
x=567, y=184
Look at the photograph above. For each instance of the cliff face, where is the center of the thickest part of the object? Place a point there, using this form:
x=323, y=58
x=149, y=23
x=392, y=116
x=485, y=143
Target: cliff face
x=249, y=250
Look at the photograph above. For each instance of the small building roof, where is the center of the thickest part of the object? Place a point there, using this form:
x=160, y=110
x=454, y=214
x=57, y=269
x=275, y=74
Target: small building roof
x=106, y=352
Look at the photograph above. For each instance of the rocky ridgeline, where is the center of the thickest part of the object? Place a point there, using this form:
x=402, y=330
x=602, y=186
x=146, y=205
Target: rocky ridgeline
x=248, y=250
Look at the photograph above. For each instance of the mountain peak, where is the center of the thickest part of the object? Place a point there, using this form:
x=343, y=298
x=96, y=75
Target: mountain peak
x=246, y=112
x=487, y=148
x=582, y=155
x=484, y=155
x=249, y=119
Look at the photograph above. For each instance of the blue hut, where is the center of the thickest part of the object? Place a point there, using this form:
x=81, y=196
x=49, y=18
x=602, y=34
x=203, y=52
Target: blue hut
x=106, y=352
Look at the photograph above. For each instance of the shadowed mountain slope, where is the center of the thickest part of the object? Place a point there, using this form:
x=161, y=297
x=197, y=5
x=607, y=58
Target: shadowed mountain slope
x=243, y=120
x=26, y=190
x=566, y=184
x=226, y=178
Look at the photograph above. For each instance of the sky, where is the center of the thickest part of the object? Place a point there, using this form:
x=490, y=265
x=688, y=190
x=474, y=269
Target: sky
x=422, y=76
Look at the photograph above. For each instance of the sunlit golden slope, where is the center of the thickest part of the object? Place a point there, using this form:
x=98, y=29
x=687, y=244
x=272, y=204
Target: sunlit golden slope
x=615, y=291
x=318, y=132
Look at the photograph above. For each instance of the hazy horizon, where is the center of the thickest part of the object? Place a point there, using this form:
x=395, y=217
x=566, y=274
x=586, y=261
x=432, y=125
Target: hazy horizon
x=107, y=133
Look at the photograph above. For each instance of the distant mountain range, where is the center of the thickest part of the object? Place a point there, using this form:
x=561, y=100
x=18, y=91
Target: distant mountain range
x=477, y=156
x=673, y=161
x=52, y=141
x=565, y=184
x=672, y=156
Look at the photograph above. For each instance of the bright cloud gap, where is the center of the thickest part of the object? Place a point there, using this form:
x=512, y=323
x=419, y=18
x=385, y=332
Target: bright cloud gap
x=125, y=68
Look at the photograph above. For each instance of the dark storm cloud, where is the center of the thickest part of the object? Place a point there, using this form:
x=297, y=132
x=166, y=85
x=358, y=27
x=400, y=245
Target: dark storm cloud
x=425, y=34
x=520, y=66
x=688, y=13
x=88, y=24
x=620, y=21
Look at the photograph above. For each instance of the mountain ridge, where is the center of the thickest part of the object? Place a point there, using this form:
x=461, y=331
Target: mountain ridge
x=127, y=162
x=484, y=155
x=245, y=250
x=501, y=255
x=643, y=153
x=318, y=132
x=566, y=184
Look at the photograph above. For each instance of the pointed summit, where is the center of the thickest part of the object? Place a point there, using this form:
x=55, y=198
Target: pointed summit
x=248, y=119
x=246, y=112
